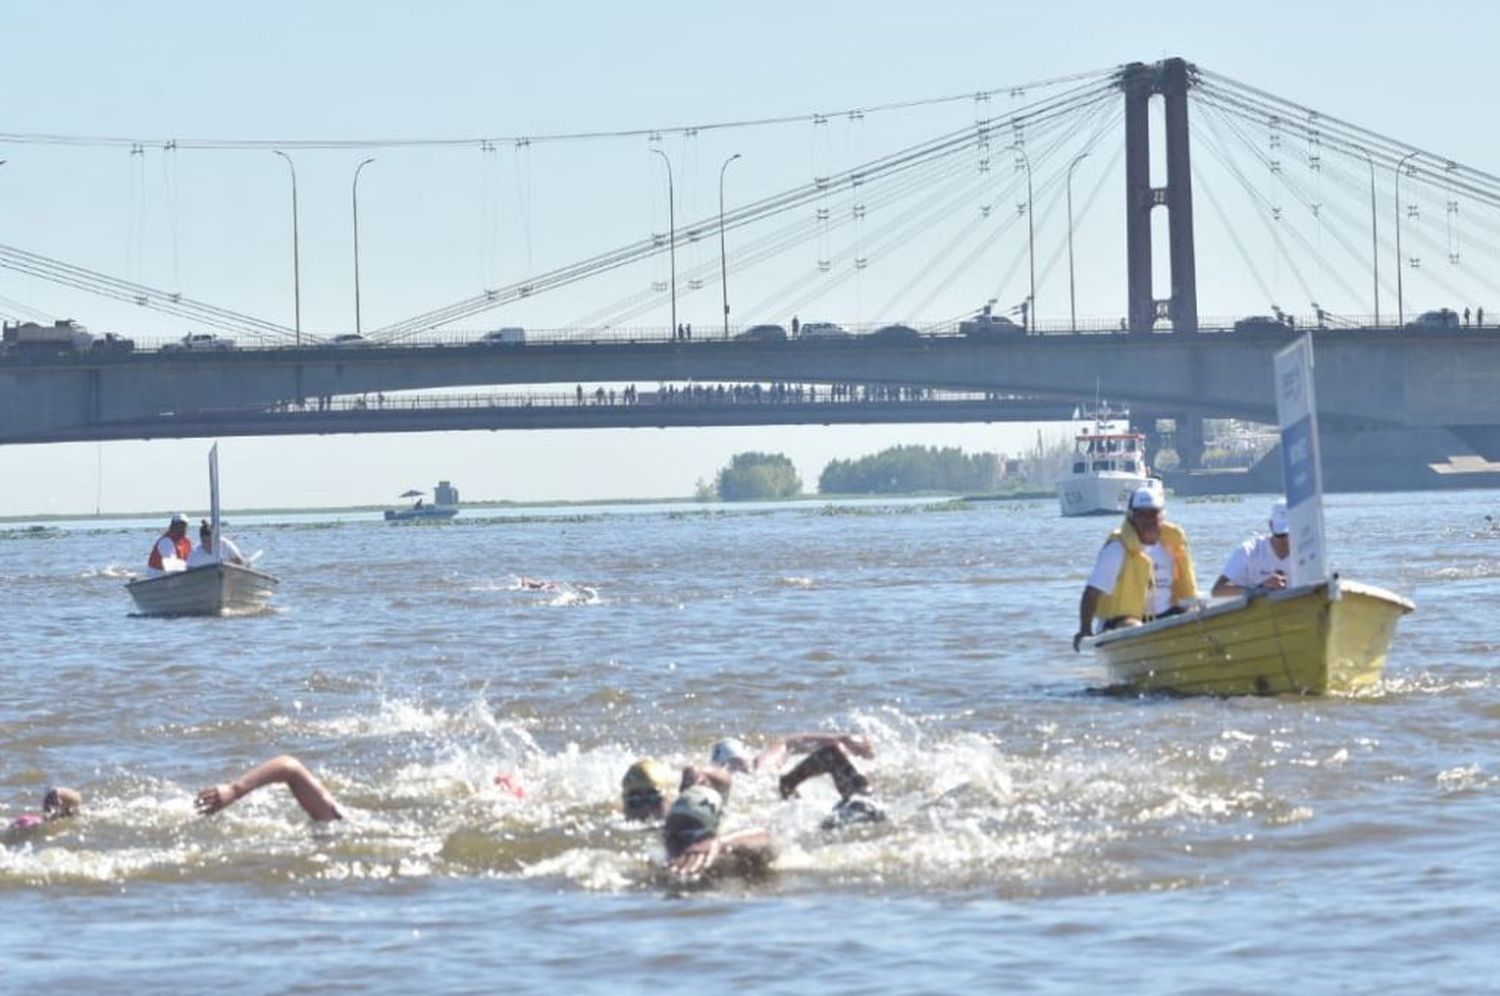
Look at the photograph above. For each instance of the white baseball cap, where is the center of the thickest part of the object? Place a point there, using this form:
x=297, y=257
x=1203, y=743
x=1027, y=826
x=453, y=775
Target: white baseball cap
x=1148, y=497
x=1279, y=526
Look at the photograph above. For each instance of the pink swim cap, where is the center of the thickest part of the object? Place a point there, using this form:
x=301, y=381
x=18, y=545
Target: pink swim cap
x=512, y=784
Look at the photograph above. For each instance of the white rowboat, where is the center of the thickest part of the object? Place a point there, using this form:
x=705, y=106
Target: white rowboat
x=210, y=590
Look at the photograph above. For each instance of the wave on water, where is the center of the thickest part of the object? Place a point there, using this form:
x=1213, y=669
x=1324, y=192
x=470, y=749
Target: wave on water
x=424, y=796
x=113, y=572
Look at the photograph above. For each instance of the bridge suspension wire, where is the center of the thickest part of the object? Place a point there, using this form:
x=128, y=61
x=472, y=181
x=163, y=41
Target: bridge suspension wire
x=1055, y=258
x=1303, y=199
x=1095, y=121
x=13, y=309
x=226, y=144
x=1427, y=175
x=67, y=274
x=894, y=229
x=1268, y=214
x=1259, y=107
x=1234, y=233
x=802, y=196
x=915, y=221
x=1280, y=230
x=774, y=243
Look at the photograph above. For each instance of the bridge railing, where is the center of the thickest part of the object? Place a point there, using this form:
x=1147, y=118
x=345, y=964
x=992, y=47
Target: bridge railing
x=857, y=332
x=664, y=395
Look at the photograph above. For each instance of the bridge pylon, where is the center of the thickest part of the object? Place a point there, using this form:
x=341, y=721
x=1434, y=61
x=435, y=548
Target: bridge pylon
x=1171, y=79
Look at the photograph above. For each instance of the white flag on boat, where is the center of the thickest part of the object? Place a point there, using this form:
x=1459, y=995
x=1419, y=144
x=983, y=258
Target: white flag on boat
x=213, y=499
x=1301, y=468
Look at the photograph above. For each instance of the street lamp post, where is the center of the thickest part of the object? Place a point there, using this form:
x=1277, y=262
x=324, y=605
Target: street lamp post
x=1374, y=236
x=354, y=196
x=671, y=235
x=1400, y=296
x=296, y=258
x=723, y=256
x=1072, y=299
x=1030, y=239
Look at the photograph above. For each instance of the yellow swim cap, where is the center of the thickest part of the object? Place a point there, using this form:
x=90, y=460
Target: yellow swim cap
x=647, y=773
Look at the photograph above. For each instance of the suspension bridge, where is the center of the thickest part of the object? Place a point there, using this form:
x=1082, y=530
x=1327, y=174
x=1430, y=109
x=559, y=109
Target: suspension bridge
x=1385, y=250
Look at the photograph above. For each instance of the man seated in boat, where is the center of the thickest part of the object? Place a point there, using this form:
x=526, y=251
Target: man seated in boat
x=210, y=551
x=172, y=549
x=1261, y=561
x=1144, y=571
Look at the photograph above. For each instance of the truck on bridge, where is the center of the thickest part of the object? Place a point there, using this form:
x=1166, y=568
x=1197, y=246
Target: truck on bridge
x=65, y=336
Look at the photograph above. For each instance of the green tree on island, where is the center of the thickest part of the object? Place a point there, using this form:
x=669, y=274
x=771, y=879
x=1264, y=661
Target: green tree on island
x=758, y=477
x=905, y=469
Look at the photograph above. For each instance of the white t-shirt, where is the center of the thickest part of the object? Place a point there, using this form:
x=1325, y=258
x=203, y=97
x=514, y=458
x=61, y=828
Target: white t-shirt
x=1253, y=561
x=201, y=556
x=1112, y=558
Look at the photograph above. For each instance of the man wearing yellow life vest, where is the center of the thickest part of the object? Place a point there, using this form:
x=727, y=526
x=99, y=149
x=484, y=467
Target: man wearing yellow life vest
x=1143, y=571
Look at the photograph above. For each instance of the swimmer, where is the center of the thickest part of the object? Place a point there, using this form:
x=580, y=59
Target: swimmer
x=57, y=804
x=648, y=789
x=310, y=793
x=695, y=847
x=827, y=753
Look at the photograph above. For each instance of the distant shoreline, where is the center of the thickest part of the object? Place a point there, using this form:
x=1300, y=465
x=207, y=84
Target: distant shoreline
x=1029, y=494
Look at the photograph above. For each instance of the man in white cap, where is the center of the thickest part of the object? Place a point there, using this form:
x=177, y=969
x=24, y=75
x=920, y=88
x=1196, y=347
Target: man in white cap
x=1261, y=561
x=1143, y=571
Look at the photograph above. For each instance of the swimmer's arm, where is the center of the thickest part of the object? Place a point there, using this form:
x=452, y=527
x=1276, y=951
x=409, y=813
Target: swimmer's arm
x=752, y=844
x=806, y=743
x=310, y=793
x=717, y=778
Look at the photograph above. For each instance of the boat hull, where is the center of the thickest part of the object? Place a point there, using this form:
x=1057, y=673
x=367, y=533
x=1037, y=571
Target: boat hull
x=211, y=590
x=1102, y=493
x=1315, y=640
x=419, y=514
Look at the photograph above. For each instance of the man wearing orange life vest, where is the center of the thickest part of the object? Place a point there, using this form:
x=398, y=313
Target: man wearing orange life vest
x=1143, y=571
x=172, y=548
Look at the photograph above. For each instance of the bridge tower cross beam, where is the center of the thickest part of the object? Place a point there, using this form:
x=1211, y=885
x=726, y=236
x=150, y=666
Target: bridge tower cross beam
x=1171, y=79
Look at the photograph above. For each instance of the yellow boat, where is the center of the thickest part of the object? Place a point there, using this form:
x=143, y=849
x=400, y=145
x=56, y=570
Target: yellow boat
x=1321, y=638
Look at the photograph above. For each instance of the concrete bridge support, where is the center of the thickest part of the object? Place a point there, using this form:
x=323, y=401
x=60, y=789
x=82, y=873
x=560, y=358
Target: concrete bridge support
x=1187, y=440
x=1171, y=79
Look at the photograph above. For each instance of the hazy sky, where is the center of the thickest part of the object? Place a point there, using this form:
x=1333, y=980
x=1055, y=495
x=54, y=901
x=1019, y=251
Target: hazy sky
x=438, y=225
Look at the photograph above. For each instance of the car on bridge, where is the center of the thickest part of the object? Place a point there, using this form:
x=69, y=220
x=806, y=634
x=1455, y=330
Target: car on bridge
x=1443, y=318
x=112, y=342
x=896, y=333
x=510, y=335
x=762, y=333
x=197, y=341
x=987, y=326
x=822, y=330
x=1262, y=325
x=349, y=339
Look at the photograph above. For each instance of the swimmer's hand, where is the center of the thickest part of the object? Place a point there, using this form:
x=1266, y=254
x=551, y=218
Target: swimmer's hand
x=696, y=859
x=213, y=799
